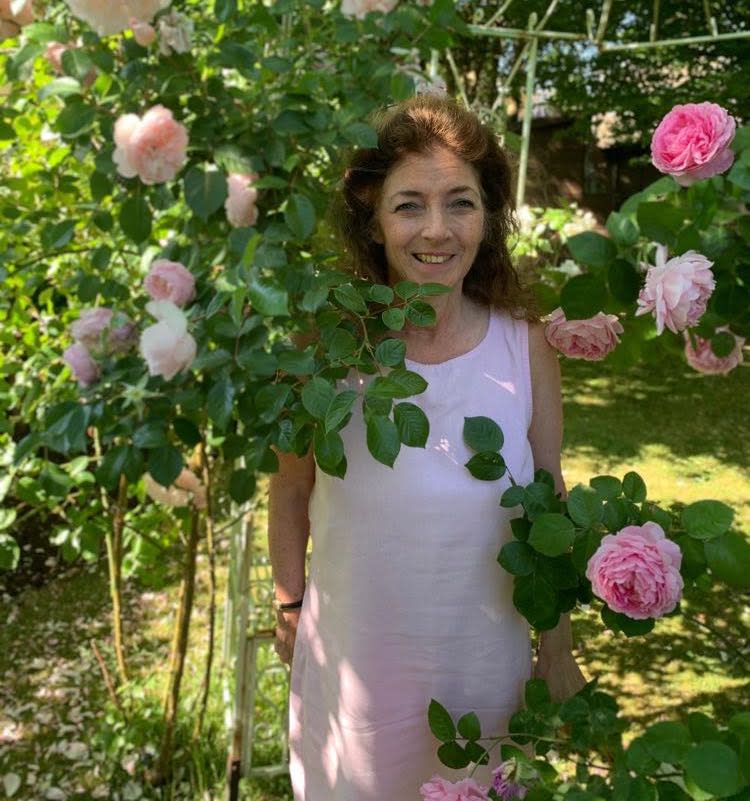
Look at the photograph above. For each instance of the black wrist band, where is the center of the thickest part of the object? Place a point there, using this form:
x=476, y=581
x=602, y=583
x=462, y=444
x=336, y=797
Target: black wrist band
x=290, y=605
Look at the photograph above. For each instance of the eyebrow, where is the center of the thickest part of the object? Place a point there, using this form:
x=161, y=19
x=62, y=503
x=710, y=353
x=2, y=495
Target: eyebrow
x=415, y=193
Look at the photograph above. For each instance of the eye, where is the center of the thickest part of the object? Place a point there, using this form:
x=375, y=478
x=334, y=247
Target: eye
x=464, y=200
x=403, y=206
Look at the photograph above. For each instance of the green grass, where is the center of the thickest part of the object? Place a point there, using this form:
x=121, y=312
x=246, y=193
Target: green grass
x=685, y=434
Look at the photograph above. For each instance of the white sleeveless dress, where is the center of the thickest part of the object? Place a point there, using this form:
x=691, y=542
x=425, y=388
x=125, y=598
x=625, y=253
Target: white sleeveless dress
x=405, y=600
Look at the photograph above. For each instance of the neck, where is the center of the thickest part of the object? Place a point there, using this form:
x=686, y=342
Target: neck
x=452, y=309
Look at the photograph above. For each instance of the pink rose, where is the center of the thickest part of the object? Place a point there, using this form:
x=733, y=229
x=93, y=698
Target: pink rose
x=108, y=16
x=166, y=346
x=439, y=789
x=591, y=339
x=676, y=291
x=501, y=783
x=122, y=338
x=153, y=147
x=90, y=326
x=704, y=360
x=186, y=487
x=10, y=22
x=175, y=30
x=361, y=8
x=83, y=367
x=637, y=572
x=240, y=202
x=143, y=33
x=693, y=142
x=170, y=280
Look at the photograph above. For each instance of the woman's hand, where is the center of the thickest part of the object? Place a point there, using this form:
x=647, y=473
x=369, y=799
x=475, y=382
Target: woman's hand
x=286, y=633
x=560, y=670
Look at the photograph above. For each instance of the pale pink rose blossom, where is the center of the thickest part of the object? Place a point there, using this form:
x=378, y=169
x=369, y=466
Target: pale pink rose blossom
x=111, y=16
x=10, y=23
x=361, y=8
x=591, y=339
x=175, y=30
x=240, y=202
x=83, y=367
x=676, y=291
x=123, y=337
x=440, y=789
x=153, y=147
x=187, y=488
x=166, y=346
x=89, y=327
x=170, y=280
x=637, y=572
x=704, y=360
x=693, y=142
x=143, y=32
x=502, y=784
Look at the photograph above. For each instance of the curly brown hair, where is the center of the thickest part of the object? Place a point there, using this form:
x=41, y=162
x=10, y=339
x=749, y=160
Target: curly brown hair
x=417, y=126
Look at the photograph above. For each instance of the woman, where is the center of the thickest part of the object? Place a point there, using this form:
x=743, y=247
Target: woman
x=405, y=601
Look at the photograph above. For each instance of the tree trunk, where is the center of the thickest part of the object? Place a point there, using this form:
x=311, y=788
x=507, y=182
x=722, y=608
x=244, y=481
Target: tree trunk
x=206, y=474
x=114, y=539
x=179, y=651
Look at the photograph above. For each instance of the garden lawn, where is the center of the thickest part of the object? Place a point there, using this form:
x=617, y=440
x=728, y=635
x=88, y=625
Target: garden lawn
x=685, y=434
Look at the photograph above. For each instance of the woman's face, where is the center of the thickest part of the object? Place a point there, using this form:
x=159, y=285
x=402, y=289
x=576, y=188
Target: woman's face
x=430, y=206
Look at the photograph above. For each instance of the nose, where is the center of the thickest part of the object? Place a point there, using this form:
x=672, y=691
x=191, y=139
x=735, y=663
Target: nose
x=435, y=225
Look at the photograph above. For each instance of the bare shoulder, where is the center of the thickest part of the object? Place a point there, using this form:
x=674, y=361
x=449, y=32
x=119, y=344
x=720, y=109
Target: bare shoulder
x=543, y=361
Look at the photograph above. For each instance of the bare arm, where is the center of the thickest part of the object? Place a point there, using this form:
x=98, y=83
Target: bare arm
x=554, y=661
x=288, y=533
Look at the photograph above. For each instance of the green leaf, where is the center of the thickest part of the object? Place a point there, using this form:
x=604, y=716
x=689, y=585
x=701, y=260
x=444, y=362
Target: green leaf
x=538, y=497
x=383, y=439
x=152, y=434
x=634, y=487
x=583, y=296
x=241, y=485
x=420, y=313
x=513, y=496
x=187, y=431
x=667, y=742
x=469, y=726
x=393, y=319
x=66, y=427
x=412, y=424
x=406, y=289
x=482, y=434
x=339, y=408
x=205, y=191
x=299, y=215
x=380, y=293
x=267, y=298
x=399, y=383
x=585, y=506
x=350, y=299
x=76, y=118
x=296, y=362
x=341, y=344
x=430, y=290
x=486, y=465
x=329, y=451
x=270, y=400
x=622, y=229
x=314, y=299
x=225, y=9
x=76, y=63
x=391, y=352
x=728, y=557
x=627, y=625
x=660, y=221
x=220, y=401
x=517, y=558
x=165, y=464
x=607, y=487
x=591, y=249
x=440, y=722
x=317, y=395
x=739, y=175
x=120, y=459
x=135, y=218
x=361, y=134
x=624, y=282
x=537, y=694
x=59, y=87
x=551, y=534
x=452, y=755
x=536, y=600
x=706, y=520
x=723, y=343
x=58, y=235
x=715, y=768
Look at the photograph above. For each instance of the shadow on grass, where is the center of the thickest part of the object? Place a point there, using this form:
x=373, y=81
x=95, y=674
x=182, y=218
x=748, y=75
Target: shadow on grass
x=613, y=414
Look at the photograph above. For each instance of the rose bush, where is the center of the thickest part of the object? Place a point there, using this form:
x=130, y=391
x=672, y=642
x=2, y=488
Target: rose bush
x=590, y=339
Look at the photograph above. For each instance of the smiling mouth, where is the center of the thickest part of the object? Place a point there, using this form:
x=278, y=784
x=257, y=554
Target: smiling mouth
x=436, y=262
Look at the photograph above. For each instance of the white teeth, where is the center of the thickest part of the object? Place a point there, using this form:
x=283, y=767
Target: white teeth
x=431, y=259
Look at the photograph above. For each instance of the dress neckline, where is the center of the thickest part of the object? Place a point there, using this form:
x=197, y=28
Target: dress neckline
x=472, y=352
